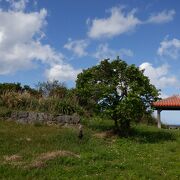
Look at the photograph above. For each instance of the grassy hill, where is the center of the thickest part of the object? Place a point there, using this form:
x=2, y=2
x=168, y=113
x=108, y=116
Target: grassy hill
x=42, y=152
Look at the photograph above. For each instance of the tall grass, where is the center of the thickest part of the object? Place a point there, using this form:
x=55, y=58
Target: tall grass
x=25, y=101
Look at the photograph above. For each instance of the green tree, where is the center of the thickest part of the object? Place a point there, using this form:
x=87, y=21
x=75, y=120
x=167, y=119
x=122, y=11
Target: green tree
x=119, y=90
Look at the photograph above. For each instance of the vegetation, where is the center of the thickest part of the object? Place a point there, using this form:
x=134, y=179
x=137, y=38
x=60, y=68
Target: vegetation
x=41, y=152
x=118, y=90
x=113, y=89
x=52, y=97
x=110, y=91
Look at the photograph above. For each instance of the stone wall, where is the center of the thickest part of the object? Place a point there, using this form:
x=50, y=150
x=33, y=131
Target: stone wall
x=43, y=118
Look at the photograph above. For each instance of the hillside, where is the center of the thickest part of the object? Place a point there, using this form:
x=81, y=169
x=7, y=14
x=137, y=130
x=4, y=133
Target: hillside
x=42, y=152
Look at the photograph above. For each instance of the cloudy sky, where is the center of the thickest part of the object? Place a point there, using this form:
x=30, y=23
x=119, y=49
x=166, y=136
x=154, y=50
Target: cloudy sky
x=47, y=40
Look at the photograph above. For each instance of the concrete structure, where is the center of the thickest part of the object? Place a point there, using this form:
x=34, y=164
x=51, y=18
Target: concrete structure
x=171, y=103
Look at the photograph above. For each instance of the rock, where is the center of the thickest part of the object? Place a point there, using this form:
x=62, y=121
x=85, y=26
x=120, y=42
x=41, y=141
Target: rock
x=20, y=117
x=49, y=117
x=75, y=119
x=60, y=119
x=41, y=117
x=49, y=123
x=67, y=119
x=22, y=114
x=32, y=118
x=14, y=115
x=22, y=120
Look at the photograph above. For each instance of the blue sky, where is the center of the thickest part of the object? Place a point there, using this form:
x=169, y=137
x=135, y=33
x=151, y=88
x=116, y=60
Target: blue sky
x=46, y=40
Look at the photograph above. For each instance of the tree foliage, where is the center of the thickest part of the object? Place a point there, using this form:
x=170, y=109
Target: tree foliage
x=118, y=90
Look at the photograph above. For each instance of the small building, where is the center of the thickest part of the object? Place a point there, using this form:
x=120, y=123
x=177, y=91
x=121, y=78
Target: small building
x=170, y=103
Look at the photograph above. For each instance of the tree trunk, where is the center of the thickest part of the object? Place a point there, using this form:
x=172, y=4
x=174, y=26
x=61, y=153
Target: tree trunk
x=124, y=129
x=116, y=126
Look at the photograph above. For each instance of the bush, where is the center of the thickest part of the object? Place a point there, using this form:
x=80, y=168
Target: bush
x=26, y=102
x=51, y=97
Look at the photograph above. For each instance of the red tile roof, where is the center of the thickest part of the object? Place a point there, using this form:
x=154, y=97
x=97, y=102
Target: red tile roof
x=173, y=101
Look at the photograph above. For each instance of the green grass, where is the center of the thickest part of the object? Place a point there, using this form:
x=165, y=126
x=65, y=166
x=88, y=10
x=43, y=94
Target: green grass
x=148, y=153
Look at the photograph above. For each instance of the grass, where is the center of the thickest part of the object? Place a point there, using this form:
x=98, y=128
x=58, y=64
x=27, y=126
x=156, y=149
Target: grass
x=148, y=153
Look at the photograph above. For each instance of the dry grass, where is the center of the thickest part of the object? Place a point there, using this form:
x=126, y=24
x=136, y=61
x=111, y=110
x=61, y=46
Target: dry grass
x=40, y=161
x=105, y=134
x=12, y=158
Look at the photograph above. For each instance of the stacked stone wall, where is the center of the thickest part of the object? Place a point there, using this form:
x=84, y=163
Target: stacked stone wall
x=43, y=118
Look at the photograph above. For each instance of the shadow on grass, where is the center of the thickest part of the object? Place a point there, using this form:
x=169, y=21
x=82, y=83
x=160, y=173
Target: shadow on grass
x=140, y=133
x=151, y=136
x=101, y=128
x=99, y=124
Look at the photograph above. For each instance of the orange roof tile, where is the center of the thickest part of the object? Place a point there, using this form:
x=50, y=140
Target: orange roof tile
x=173, y=101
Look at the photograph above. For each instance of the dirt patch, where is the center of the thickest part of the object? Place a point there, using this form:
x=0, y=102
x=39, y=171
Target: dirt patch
x=12, y=158
x=106, y=134
x=51, y=155
x=41, y=160
x=100, y=135
x=15, y=160
x=35, y=164
x=38, y=162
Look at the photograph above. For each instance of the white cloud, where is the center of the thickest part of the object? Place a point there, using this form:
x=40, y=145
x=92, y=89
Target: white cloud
x=18, y=5
x=159, y=76
x=103, y=52
x=1, y=37
x=19, y=27
x=162, y=17
x=164, y=95
x=119, y=22
x=78, y=47
x=17, y=31
x=125, y=52
x=23, y=56
x=169, y=48
x=62, y=72
x=21, y=47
